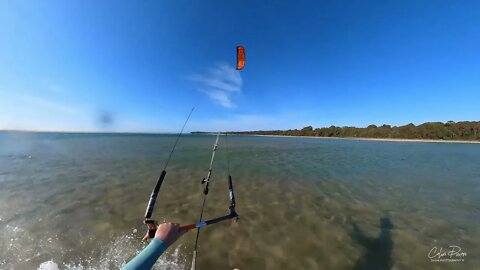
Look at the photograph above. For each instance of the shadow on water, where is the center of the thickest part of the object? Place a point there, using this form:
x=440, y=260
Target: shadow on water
x=378, y=250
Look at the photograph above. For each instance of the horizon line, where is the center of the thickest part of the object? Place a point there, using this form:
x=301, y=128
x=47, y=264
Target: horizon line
x=211, y=132
x=84, y=131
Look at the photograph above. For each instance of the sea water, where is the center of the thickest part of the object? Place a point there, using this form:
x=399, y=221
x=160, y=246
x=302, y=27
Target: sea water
x=76, y=201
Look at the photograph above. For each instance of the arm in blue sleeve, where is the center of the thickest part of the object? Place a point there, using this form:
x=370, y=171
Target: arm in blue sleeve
x=149, y=255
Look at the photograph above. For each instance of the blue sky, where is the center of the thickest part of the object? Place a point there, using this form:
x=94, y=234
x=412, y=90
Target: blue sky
x=64, y=64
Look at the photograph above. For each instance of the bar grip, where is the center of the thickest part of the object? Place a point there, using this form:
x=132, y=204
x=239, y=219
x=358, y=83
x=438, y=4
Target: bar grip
x=151, y=233
x=151, y=227
x=188, y=227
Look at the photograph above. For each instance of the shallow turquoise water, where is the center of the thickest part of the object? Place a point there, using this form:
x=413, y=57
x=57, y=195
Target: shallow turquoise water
x=77, y=200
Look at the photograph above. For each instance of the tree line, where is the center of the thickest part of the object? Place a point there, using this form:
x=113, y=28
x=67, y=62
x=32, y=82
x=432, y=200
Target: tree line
x=466, y=130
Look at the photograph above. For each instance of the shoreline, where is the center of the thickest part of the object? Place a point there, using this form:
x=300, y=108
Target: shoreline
x=369, y=139
x=258, y=135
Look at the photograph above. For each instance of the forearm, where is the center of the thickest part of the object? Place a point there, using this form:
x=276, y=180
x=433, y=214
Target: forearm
x=147, y=258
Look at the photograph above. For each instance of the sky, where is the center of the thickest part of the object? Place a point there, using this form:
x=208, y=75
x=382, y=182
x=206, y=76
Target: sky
x=140, y=66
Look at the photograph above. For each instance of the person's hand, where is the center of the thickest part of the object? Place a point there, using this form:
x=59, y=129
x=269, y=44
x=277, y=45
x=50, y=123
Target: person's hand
x=168, y=232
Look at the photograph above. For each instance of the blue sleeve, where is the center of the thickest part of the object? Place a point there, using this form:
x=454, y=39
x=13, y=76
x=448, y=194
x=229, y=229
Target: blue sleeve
x=149, y=255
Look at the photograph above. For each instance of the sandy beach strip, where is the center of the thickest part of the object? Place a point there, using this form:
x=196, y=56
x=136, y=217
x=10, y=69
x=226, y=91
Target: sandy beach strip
x=367, y=139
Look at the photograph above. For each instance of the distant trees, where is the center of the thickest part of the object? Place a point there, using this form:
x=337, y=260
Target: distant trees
x=306, y=131
x=466, y=130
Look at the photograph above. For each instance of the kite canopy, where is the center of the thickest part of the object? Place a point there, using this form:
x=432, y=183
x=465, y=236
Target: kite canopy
x=240, y=57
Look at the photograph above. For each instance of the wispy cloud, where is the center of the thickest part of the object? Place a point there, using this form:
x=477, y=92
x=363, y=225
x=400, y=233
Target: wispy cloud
x=48, y=104
x=220, y=84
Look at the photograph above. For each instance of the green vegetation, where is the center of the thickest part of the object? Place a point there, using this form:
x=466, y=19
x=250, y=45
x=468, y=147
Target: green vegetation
x=430, y=130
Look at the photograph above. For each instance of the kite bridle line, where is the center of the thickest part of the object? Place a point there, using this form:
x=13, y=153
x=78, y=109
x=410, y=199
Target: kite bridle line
x=150, y=223
x=232, y=213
